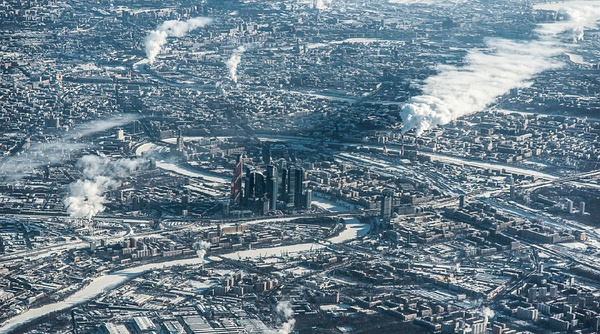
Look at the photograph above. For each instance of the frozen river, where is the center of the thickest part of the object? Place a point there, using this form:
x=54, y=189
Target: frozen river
x=110, y=281
x=353, y=230
x=92, y=290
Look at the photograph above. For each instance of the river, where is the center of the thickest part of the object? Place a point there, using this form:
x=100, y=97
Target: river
x=110, y=281
x=92, y=290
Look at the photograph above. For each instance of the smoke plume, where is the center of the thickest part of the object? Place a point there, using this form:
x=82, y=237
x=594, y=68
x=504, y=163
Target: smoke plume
x=156, y=39
x=86, y=197
x=234, y=61
x=457, y=91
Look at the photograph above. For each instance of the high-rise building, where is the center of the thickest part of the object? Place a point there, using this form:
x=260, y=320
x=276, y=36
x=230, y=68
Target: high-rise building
x=285, y=180
x=255, y=185
x=291, y=186
x=236, y=182
x=266, y=153
x=298, y=187
x=180, y=142
x=272, y=186
x=307, y=198
x=386, y=205
x=512, y=188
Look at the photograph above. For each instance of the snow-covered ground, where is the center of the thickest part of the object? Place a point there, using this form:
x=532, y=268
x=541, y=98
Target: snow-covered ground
x=192, y=173
x=353, y=229
x=330, y=205
x=273, y=251
x=95, y=288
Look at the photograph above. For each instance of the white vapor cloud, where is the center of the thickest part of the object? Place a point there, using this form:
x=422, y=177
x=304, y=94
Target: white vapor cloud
x=572, y=18
x=428, y=2
x=322, y=4
x=487, y=314
x=85, y=197
x=285, y=312
x=58, y=150
x=156, y=39
x=457, y=91
x=234, y=61
x=201, y=247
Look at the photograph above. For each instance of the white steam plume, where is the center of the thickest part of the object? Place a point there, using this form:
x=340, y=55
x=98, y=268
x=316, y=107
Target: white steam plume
x=86, y=198
x=284, y=310
x=234, y=61
x=201, y=247
x=58, y=150
x=487, y=314
x=156, y=39
x=428, y=2
x=572, y=18
x=458, y=91
x=322, y=4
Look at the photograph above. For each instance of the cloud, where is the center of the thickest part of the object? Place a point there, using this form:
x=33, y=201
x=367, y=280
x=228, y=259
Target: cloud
x=457, y=91
x=156, y=39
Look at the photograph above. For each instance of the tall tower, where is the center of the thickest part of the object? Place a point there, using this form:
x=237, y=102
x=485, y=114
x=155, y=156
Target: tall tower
x=298, y=187
x=256, y=185
x=236, y=182
x=291, y=186
x=285, y=181
x=512, y=188
x=266, y=153
x=386, y=205
x=180, y=142
x=307, y=198
x=272, y=186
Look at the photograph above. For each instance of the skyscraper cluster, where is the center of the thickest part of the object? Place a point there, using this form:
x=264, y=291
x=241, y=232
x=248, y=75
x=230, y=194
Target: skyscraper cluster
x=266, y=190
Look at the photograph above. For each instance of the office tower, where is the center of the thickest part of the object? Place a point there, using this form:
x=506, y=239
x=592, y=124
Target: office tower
x=291, y=186
x=386, y=205
x=272, y=186
x=295, y=187
x=180, y=142
x=307, y=198
x=255, y=187
x=266, y=153
x=236, y=182
x=284, y=183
